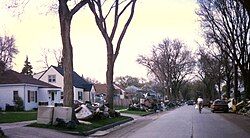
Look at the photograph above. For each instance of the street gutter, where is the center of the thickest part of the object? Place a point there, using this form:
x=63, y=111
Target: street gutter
x=87, y=133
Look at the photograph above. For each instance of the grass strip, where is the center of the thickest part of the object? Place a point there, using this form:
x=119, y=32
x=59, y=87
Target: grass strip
x=83, y=128
x=11, y=117
x=141, y=113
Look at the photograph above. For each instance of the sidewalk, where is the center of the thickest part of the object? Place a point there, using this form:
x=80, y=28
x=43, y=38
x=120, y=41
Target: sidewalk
x=16, y=124
x=18, y=130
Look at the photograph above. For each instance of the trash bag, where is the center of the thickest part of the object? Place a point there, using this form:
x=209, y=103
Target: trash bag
x=71, y=124
x=1, y=133
x=60, y=122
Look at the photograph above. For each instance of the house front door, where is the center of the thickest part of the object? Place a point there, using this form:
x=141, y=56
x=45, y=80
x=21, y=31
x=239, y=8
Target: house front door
x=52, y=95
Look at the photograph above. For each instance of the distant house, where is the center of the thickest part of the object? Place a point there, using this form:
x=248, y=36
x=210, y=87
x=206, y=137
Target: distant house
x=83, y=90
x=133, y=91
x=30, y=90
x=101, y=92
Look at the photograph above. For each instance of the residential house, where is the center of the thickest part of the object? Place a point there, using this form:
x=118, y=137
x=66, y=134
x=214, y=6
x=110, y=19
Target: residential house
x=132, y=91
x=83, y=90
x=30, y=90
x=101, y=92
x=138, y=93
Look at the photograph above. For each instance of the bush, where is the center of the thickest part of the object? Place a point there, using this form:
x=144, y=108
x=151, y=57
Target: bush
x=9, y=107
x=19, y=106
x=113, y=113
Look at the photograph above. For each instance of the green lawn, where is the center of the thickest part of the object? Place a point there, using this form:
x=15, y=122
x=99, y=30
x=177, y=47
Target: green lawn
x=120, y=107
x=10, y=117
x=141, y=113
x=84, y=127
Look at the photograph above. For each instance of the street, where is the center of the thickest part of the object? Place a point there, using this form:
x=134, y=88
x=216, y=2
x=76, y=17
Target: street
x=183, y=122
x=186, y=122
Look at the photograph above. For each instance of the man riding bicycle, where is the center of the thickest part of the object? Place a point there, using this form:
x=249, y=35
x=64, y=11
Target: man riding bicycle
x=200, y=103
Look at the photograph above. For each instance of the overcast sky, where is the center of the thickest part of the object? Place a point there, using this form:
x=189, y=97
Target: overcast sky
x=152, y=22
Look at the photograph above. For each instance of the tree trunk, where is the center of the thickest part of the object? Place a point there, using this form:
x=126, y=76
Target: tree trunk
x=228, y=78
x=246, y=80
x=236, y=91
x=109, y=75
x=228, y=84
x=219, y=88
x=65, y=22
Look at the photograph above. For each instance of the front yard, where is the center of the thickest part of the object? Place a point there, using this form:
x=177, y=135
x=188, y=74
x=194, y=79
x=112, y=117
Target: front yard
x=10, y=117
x=82, y=129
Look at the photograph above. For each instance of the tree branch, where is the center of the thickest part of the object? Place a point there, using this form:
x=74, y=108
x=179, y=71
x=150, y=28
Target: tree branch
x=77, y=7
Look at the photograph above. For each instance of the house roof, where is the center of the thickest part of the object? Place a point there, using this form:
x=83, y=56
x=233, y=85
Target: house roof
x=132, y=89
x=78, y=81
x=13, y=77
x=102, y=88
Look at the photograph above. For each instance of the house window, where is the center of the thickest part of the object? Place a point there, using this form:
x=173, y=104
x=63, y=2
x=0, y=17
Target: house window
x=61, y=95
x=79, y=95
x=15, y=95
x=52, y=78
x=32, y=96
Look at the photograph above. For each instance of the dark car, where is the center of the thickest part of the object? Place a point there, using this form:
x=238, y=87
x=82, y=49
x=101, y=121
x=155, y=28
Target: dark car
x=219, y=105
x=190, y=102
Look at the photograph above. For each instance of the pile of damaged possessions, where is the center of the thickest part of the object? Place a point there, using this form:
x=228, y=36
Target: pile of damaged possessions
x=243, y=107
x=151, y=103
x=87, y=111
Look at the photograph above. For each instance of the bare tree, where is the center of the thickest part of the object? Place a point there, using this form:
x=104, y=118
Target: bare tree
x=90, y=80
x=44, y=55
x=226, y=25
x=126, y=81
x=7, y=50
x=210, y=73
x=66, y=10
x=170, y=63
x=58, y=56
x=65, y=16
x=48, y=54
x=246, y=5
x=118, y=7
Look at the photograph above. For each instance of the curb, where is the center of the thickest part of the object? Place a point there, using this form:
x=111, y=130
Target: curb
x=148, y=114
x=87, y=133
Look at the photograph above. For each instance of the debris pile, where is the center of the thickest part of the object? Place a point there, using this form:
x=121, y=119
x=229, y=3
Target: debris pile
x=149, y=104
x=90, y=111
x=243, y=107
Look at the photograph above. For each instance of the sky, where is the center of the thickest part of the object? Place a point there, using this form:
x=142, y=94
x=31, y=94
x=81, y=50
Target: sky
x=36, y=29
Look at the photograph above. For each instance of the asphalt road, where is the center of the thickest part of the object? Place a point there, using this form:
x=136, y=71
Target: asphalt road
x=183, y=122
x=186, y=122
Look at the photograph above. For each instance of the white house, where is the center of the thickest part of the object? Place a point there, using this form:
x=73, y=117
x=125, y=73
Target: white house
x=83, y=90
x=30, y=90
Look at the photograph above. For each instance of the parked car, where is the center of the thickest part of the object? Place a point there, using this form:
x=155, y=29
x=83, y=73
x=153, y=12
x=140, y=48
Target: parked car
x=190, y=102
x=219, y=105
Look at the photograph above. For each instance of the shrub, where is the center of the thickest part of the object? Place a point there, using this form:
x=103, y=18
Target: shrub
x=19, y=106
x=9, y=107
